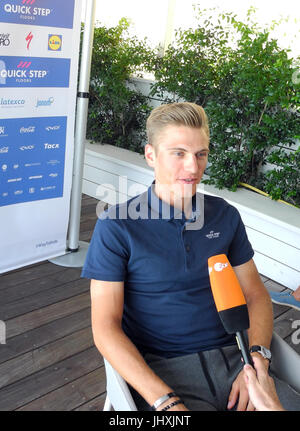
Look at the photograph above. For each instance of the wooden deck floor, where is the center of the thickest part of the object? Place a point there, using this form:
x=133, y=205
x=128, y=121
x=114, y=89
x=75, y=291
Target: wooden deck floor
x=49, y=361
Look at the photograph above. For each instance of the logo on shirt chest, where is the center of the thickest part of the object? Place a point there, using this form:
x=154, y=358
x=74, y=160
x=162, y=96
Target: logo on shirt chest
x=212, y=235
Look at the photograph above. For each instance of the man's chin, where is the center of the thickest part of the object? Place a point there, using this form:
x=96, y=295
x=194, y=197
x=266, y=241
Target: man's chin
x=185, y=191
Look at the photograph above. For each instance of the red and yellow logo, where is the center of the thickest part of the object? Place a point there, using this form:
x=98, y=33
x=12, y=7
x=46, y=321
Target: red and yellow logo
x=54, y=42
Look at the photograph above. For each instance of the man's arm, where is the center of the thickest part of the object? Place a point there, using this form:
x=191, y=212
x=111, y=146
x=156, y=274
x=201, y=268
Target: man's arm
x=261, y=323
x=107, y=300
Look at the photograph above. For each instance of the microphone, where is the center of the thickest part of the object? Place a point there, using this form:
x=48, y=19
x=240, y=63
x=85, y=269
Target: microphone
x=230, y=301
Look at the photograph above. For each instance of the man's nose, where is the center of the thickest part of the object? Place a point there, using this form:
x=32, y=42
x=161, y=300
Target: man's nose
x=191, y=164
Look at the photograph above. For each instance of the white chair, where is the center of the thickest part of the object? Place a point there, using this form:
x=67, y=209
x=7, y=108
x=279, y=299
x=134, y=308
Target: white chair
x=118, y=395
x=285, y=364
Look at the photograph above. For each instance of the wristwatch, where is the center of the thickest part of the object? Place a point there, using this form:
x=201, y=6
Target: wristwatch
x=265, y=353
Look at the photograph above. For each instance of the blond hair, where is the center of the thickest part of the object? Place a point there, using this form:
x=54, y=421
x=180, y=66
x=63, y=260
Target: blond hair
x=176, y=114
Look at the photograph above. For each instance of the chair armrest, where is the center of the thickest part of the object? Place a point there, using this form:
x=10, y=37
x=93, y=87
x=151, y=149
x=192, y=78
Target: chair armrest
x=117, y=390
x=285, y=362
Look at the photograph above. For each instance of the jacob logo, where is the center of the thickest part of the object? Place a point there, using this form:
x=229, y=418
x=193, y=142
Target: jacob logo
x=54, y=42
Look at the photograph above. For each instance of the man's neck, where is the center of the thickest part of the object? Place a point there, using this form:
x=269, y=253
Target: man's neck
x=180, y=202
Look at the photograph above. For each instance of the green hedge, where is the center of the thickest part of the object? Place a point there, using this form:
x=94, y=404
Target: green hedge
x=117, y=114
x=235, y=70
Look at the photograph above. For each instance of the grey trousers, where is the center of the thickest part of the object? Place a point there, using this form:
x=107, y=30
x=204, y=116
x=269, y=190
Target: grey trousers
x=203, y=380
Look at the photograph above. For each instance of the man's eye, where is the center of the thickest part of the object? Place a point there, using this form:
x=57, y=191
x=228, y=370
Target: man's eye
x=178, y=153
x=204, y=154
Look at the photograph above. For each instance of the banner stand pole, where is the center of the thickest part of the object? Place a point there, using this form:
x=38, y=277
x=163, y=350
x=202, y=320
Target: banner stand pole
x=76, y=251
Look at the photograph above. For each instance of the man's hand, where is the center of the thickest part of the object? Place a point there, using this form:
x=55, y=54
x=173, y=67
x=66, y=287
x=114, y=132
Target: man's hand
x=239, y=392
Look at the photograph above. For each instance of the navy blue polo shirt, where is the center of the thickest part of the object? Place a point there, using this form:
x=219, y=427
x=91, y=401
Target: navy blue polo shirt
x=162, y=259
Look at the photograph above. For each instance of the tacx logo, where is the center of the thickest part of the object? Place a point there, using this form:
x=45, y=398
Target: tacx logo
x=51, y=146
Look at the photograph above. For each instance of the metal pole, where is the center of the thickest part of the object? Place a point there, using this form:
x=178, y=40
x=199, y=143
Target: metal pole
x=81, y=120
x=78, y=248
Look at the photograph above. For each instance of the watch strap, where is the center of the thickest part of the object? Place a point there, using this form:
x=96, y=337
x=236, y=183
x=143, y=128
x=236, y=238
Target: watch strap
x=262, y=350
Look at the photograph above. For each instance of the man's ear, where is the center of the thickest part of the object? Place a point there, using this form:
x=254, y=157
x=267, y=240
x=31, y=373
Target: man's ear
x=150, y=155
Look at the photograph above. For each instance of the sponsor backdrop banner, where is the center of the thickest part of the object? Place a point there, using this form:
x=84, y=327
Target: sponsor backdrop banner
x=39, y=50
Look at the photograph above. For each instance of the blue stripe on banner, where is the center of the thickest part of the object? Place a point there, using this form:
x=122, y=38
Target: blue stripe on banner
x=32, y=159
x=34, y=72
x=50, y=13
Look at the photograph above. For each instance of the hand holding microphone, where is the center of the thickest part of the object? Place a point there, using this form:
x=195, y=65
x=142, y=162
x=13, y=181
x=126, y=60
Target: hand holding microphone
x=230, y=301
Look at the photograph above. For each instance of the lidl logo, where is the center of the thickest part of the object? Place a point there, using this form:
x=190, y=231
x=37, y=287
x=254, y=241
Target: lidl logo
x=54, y=42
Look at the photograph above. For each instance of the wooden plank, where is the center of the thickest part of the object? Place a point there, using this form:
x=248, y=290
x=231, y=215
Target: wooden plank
x=279, y=310
x=96, y=404
x=43, y=315
x=272, y=285
x=37, y=359
x=42, y=382
x=283, y=323
x=88, y=226
x=20, y=291
x=71, y=395
x=45, y=334
x=42, y=299
x=30, y=273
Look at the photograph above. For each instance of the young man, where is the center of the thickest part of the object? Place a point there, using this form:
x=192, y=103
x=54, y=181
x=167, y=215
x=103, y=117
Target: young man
x=153, y=314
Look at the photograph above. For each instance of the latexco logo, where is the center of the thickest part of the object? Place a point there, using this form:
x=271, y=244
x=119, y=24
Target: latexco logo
x=11, y=103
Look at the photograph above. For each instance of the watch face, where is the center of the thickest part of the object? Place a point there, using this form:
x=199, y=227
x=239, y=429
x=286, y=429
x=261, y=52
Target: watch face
x=265, y=352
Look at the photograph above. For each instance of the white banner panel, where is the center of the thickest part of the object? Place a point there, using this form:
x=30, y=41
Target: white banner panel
x=39, y=50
